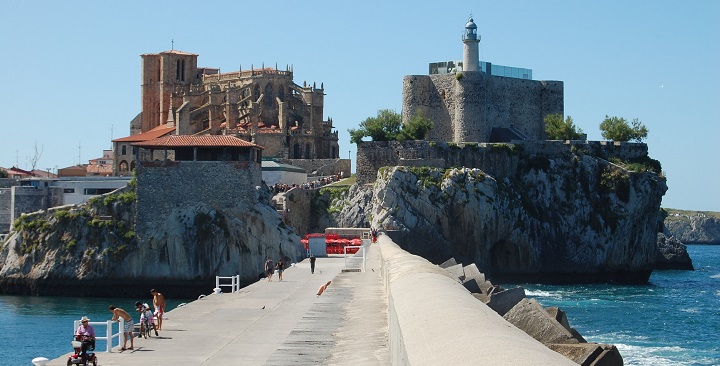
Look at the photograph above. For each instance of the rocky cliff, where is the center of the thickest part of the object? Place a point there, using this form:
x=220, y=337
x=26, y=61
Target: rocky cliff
x=569, y=218
x=693, y=227
x=93, y=250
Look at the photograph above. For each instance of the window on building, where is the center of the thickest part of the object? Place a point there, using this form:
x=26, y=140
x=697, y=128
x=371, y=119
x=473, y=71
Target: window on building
x=307, y=151
x=296, y=151
x=123, y=150
x=69, y=190
x=269, y=95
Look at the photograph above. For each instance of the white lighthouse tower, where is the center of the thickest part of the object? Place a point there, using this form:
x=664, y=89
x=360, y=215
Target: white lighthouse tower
x=471, y=58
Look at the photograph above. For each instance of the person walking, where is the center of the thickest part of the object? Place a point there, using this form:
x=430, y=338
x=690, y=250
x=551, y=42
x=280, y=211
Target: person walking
x=269, y=268
x=280, y=267
x=312, y=263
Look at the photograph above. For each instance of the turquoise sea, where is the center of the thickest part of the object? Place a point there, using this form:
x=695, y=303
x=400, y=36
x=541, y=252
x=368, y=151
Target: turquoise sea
x=675, y=320
x=33, y=326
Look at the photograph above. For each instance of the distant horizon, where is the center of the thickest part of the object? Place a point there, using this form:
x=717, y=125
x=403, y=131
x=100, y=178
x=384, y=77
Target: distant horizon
x=73, y=81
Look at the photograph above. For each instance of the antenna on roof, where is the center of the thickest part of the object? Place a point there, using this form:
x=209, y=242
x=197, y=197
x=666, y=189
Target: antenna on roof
x=172, y=44
x=111, y=136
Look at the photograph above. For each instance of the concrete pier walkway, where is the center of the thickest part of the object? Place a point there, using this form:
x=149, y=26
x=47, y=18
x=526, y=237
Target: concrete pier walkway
x=276, y=323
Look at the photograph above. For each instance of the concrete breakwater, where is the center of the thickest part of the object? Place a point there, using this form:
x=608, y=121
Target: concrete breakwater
x=434, y=319
x=402, y=310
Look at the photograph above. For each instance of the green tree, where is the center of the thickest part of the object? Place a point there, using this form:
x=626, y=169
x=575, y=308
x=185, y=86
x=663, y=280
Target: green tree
x=3, y=173
x=416, y=128
x=618, y=129
x=388, y=126
x=384, y=127
x=557, y=129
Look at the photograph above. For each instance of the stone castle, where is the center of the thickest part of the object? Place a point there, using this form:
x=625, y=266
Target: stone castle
x=263, y=106
x=473, y=105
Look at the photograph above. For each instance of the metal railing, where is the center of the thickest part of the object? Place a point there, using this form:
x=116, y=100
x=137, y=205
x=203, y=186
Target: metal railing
x=234, y=282
x=109, y=335
x=354, y=261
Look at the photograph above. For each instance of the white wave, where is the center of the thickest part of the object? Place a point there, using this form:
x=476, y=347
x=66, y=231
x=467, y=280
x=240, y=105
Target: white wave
x=691, y=310
x=541, y=293
x=655, y=356
x=715, y=276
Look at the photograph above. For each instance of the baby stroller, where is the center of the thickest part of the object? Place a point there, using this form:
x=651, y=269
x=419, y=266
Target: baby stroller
x=78, y=358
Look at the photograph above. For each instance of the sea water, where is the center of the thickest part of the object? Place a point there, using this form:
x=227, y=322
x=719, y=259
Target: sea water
x=675, y=320
x=38, y=326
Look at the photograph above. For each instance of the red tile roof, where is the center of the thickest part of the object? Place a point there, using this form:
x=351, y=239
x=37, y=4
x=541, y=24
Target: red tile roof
x=156, y=132
x=199, y=141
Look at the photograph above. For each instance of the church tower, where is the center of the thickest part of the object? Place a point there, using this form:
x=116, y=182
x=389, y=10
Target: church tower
x=471, y=58
x=163, y=74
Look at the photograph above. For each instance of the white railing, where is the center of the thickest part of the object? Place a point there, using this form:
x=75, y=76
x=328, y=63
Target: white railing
x=354, y=258
x=109, y=336
x=234, y=282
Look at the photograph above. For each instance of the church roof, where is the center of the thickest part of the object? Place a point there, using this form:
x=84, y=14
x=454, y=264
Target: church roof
x=174, y=52
x=156, y=132
x=173, y=141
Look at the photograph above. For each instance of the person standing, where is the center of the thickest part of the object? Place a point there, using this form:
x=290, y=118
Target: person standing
x=159, y=304
x=128, y=327
x=312, y=263
x=280, y=268
x=269, y=268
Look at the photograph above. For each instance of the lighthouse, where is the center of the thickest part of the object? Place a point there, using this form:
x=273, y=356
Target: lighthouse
x=471, y=39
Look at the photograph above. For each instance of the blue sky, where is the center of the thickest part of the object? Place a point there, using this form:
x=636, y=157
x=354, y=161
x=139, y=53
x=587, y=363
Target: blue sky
x=72, y=68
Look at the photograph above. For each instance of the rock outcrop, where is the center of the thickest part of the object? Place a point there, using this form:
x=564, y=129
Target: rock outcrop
x=693, y=227
x=93, y=250
x=572, y=218
x=672, y=254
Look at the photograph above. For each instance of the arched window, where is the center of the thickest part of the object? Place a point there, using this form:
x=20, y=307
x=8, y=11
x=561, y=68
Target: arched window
x=132, y=165
x=307, y=151
x=333, y=153
x=123, y=150
x=256, y=93
x=180, y=70
x=281, y=94
x=296, y=151
x=123, y=166
x=269, y=95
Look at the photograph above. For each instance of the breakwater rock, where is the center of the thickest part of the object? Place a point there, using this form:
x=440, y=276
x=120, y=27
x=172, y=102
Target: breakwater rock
x=549, y=326
x=94, y=250
x=693, y=227
x=563, y=219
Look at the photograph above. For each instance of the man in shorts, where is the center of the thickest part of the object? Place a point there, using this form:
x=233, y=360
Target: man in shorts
x=159, y=304
x=128, y=327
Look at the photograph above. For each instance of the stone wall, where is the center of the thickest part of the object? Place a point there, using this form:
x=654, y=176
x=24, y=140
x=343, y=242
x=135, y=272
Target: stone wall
x=467, y=107
x=498, y=160
x=31, y=199
x=322, y=167
x=163, y=187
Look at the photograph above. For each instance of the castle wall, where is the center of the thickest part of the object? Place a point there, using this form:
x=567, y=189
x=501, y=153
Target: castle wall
x=24, y=199
x=164, y=187
x=5, y=209
x=466, y=108
x=498, y=160
x=323, y=167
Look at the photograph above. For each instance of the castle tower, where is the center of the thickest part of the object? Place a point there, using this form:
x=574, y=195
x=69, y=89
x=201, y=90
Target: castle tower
x=471, y=55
